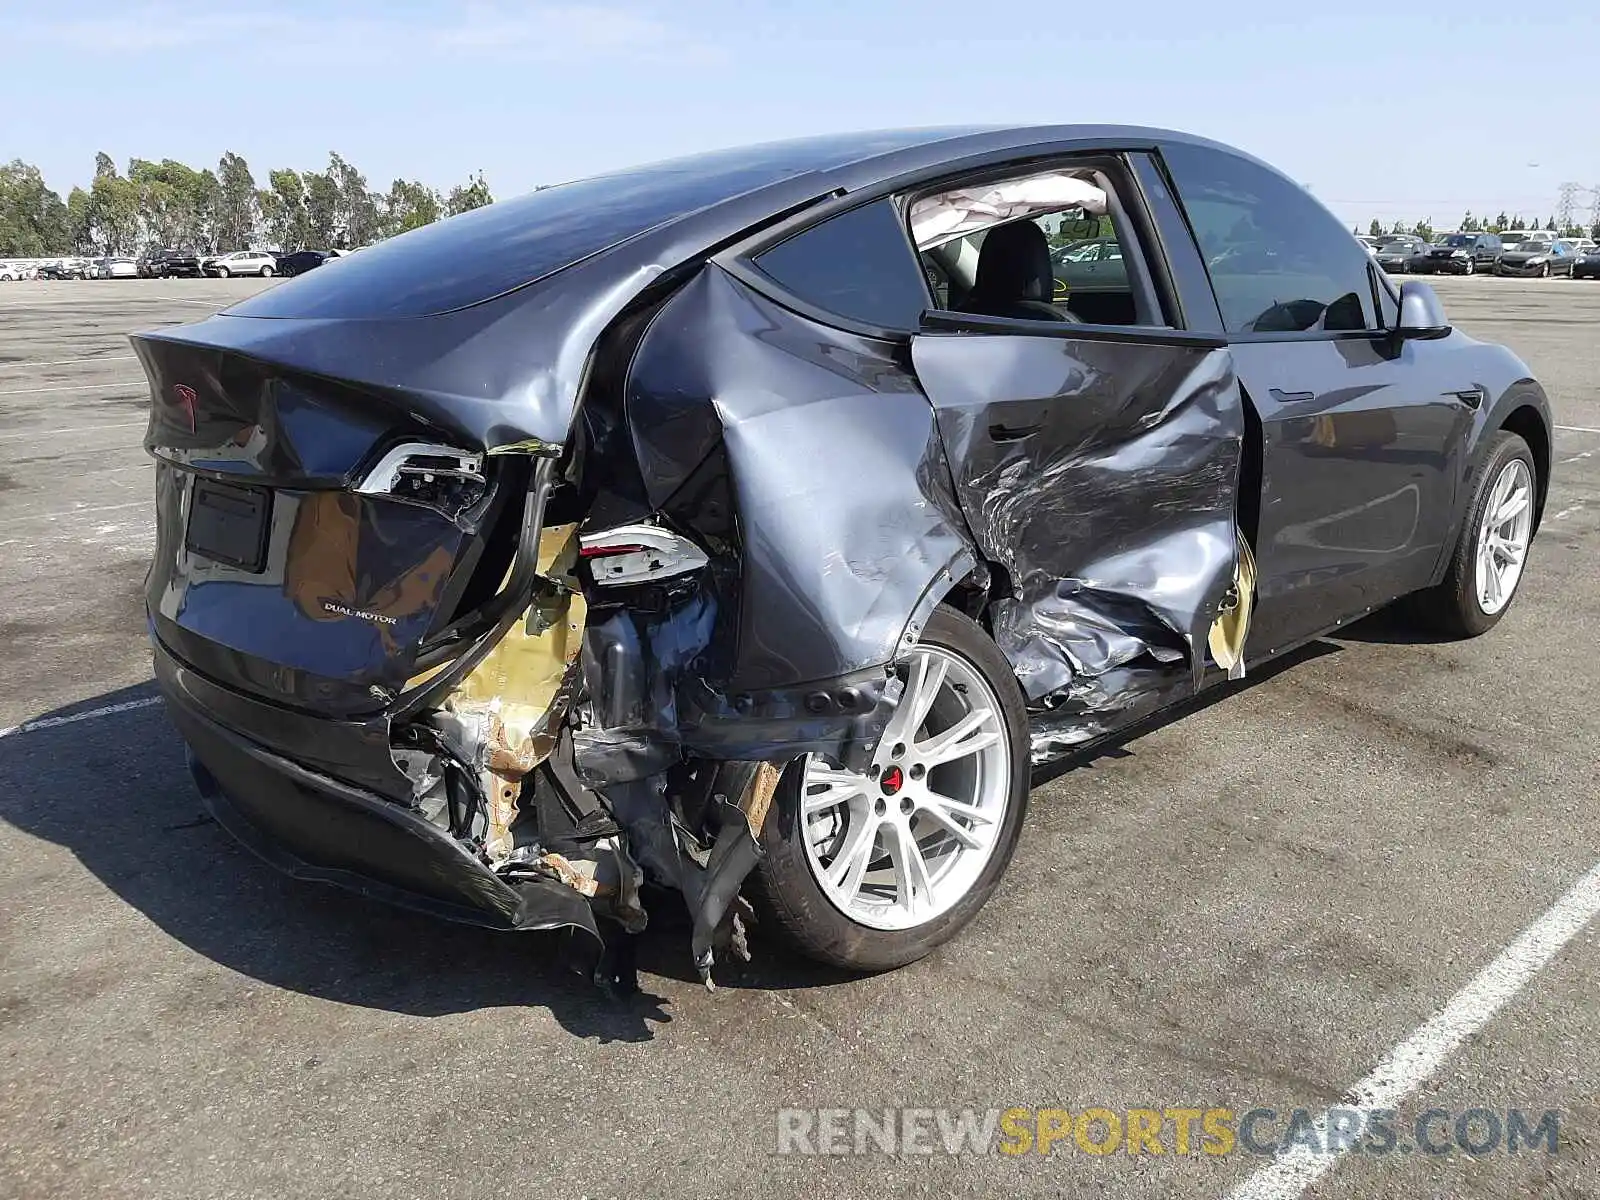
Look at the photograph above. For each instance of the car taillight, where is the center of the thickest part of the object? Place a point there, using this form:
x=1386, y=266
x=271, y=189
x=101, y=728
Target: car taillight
x=634, y=554
x=438, y=477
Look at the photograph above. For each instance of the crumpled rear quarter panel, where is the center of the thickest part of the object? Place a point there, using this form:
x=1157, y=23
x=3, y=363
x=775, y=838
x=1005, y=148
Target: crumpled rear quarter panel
x=845, y=531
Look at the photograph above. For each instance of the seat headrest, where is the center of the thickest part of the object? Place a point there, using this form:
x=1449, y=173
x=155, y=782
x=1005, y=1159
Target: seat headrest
x=1014, y=264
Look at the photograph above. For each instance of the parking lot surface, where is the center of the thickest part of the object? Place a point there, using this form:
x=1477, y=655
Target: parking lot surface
x=1248, y=906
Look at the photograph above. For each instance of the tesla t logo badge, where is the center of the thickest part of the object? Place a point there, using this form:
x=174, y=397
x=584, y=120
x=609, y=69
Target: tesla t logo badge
x=183, y=395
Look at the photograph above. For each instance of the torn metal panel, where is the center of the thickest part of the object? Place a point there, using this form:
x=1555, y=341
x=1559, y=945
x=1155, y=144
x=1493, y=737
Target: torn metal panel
x=1100, y=477
x=505, y=715
x=839, y=538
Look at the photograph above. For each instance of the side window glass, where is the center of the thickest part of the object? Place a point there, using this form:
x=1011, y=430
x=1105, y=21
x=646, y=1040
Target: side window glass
x=1041, y=246
x=858, y=265
x=1279, y=261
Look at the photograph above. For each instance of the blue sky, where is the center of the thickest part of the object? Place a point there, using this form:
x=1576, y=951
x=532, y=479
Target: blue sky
x=1386, y=109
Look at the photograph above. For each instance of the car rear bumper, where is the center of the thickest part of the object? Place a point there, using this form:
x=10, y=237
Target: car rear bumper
x=312, y=825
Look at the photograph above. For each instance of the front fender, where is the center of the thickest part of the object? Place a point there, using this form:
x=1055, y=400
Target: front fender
x=1514, y=400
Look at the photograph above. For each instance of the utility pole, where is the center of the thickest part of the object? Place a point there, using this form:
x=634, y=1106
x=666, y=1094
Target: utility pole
x=1567, y=204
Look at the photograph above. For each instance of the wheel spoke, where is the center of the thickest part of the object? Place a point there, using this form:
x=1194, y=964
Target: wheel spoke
x=850, y=864
x=1510, y=508
x=910, y=869
x=923, y=681
x=966, y=737
x=931, y=679
x=837, y=787
x=944, y=811
x=956, y=808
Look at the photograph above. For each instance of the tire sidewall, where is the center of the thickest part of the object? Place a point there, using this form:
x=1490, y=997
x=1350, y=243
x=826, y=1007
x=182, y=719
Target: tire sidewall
x=1505, y=448
x=786, y=881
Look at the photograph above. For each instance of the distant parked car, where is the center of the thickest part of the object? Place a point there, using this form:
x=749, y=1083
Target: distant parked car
x=241, y=262
x=166, y=263
x=1460, y=254
x=11, y=272
x=1512, y=238
x=301, y=261
x=62, y=268
x=1537, y=258
x=1587, y=265
x=1087, y=266
x=120, y=268
x=1397, y=256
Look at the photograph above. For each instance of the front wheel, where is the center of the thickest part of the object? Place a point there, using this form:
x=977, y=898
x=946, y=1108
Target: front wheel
x=266, y=272
x=1471, y=267
x=223, y=272
x=1544, y=271
x=1492, y=547
x=872, y=870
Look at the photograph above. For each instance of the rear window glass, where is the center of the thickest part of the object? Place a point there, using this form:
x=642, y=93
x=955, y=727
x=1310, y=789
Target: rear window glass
x=859, y=265
x=490, y=251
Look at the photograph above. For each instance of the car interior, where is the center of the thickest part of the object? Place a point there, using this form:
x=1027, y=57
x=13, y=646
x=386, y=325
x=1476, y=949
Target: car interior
x=1019, y=247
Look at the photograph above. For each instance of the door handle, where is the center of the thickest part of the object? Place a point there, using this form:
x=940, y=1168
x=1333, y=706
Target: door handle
x=1014, y=433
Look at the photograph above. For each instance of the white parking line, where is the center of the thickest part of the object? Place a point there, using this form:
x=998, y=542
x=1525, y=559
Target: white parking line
x=1406, y=1067
x=39, y=433
x=52, y=722
x=1576, y=429
x=69, y=362
x=73, y=512
x=76, y=387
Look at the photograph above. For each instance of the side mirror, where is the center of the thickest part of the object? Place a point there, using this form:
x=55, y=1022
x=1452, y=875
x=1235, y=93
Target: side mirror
x=1421, y=313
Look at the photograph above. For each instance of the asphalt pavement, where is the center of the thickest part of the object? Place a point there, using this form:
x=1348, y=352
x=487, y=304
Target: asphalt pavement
x=1247, y=907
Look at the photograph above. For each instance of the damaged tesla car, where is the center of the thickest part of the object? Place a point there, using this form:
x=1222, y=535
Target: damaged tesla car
x=747, y=525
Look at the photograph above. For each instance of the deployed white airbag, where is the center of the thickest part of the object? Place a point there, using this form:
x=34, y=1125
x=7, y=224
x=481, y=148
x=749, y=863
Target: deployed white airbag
x=936, y=220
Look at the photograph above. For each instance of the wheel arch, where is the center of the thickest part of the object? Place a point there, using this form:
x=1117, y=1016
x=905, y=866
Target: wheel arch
x=1528, y=422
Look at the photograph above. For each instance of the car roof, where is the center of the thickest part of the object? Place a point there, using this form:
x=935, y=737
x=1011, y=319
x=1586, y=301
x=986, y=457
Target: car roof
x=669, y=210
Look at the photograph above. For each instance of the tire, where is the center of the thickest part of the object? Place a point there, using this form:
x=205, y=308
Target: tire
x=1472, y=268
x=223, y=272
x=793, y=904
x=1456, y=607
x=266, y=272
x=1544, y=271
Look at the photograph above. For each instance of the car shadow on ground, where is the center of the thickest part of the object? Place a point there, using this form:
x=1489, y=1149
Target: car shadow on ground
x=115, y=791
x=1117, y=745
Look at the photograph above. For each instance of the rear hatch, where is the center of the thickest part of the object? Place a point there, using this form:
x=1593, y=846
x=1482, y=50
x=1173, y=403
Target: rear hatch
x=309, y=535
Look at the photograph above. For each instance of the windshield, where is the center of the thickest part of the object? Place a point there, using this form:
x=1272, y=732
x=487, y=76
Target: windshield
x=1460, y=239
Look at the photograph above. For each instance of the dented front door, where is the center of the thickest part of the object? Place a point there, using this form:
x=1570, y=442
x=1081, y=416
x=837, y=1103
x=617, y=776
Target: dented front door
x=1099, y=475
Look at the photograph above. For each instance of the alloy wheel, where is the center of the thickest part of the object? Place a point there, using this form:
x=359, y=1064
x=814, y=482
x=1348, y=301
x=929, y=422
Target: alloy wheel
x=1503, y=536
x=901, y=843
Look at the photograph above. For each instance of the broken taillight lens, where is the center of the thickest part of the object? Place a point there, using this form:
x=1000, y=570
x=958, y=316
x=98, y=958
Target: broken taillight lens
x=633, y=554
x=447, y=480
